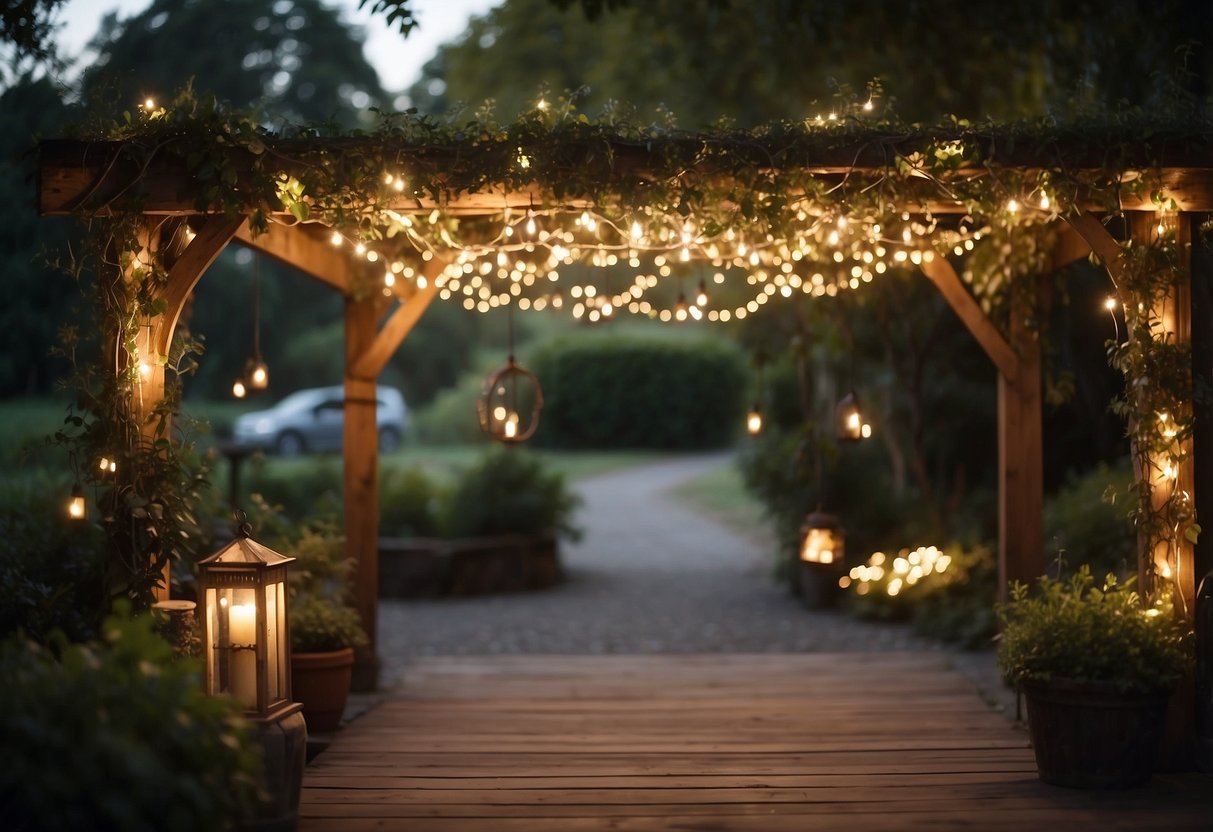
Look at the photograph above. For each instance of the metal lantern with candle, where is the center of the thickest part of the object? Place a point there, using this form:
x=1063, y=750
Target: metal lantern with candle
x=848, y=418
x=822, y=558
x=246, y=650
x=242, y=588
x=510, y=403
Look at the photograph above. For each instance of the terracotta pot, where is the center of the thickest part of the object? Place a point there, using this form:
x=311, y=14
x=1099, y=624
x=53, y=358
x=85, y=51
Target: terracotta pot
x=321, y=682
x=1088, y=735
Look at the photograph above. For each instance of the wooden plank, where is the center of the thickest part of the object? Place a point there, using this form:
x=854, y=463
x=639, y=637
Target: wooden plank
x=75, y=176
x=704, y=742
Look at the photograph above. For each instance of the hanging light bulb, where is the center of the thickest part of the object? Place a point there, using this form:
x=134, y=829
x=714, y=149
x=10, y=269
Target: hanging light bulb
x=681, y=308
x=107, y=465
x=256, y=372
x=238, y=388
x=701, y=296
x=753, y=421
x=258, y=375
x=77, y=509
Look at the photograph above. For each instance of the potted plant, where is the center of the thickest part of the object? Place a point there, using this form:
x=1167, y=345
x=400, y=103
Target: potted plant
x=1096, y=666
x=324, y=628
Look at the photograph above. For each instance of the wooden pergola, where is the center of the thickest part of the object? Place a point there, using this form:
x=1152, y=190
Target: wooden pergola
x=78, y=177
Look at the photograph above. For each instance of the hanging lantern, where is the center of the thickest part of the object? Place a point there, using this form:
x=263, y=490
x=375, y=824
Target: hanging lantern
x=753, y=420
x=242, y=589
x=258, y=374
x=849, y=420
x=510, y=403
x=822, y=539
x=77, y=508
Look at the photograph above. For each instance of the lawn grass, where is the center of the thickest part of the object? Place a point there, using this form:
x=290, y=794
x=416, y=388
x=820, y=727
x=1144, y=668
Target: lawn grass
x=721, y=493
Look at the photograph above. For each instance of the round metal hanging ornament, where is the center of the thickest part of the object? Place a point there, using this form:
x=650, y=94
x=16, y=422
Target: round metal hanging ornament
x=510, y=403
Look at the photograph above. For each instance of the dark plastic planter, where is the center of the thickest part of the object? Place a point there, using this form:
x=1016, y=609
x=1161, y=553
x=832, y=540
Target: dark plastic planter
x=1088, y=735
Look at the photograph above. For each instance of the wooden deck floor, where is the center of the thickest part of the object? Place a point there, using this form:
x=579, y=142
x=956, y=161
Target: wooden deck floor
x=864, y=741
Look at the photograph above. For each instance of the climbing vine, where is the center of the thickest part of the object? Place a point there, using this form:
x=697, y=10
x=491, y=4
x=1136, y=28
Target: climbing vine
x=793, y=208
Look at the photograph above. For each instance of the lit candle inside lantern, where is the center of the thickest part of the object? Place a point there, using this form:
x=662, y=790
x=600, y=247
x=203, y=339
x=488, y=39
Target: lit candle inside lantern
x=242, y=628
x=511, y=426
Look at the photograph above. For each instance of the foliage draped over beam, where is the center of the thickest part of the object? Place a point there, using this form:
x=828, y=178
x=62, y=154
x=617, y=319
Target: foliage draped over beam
x=812, y=206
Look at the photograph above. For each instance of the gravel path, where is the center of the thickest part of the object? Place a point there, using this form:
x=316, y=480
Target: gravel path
x=650, y=576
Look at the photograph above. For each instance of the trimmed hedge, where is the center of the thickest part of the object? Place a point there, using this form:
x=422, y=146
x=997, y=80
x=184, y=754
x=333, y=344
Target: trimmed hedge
x=612, y=392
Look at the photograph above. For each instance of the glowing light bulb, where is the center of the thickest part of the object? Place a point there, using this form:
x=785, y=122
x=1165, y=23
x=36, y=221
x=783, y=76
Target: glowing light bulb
x=76, y=507
x=336, y=239
x=541, y=104
x=389, y=279
x=867, y=105
x=238, y=389
x=753, y=422
x=530, y=226
x=1044, y=202
x=1110, y=303
x=866, y=431
x=149, y=104
x=1012, y=206
x=637, y=232
x=145, y=370
x=511, y=426
x=360, y=249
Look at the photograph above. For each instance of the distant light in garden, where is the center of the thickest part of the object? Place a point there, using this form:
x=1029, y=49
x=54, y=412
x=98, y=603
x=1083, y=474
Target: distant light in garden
x=77, y=508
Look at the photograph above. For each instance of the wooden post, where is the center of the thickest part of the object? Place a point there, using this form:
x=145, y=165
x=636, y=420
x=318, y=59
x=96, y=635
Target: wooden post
x=1020, y=445
x=1021, y=453
x=361, y=456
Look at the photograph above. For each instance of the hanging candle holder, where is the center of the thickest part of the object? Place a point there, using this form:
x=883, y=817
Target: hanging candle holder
x=510, y=403
x=511, y=400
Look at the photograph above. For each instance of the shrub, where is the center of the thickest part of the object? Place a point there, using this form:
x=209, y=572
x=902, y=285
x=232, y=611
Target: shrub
x=949, y=595
x=1072, y=629
x=303, y=488
x=603, y=392
x=51, y=569
x=320, y=624
x=451, y=418
x=115, y=735
x=409, y=503
x=510, y=492
x=1088, y=519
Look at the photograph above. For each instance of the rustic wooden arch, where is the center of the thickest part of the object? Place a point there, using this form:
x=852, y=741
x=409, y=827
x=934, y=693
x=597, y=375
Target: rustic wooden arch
x=71, y=173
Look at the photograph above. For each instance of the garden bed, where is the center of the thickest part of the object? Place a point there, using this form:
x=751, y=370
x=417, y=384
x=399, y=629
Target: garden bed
x=429, y=568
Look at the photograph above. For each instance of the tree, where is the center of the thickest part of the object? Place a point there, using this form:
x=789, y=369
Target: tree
x=768, y=59
x=38, y=297
x=294, y=60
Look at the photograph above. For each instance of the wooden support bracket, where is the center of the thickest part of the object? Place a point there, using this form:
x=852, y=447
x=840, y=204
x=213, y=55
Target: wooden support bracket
x=941, y=273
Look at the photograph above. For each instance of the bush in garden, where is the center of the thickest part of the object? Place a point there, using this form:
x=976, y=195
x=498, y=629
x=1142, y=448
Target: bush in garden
x=628, y=392
x=948, y=595
x=1088, y=520
x=302, y=488
x=409, y=503
x=117, y=735
x=51, y=569
x=510, y=492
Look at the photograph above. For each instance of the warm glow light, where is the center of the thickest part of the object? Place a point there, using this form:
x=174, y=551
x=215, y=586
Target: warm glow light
x=511, y=426
x=1013, y=208
x=541, y=104
x=260, y=377
x=1110, y=303
x=76, y=508
x=238, y=389
x=336, y=239
x=149, y=104
x=866, y=431
x=145, y=370
x=753, y=422
x=853, y=422
x=1044, y=202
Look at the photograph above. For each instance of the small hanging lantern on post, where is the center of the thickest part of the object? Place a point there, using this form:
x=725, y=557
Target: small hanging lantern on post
x=849, y=420
x=242, y=589
x=77, y=507
x=510, y=403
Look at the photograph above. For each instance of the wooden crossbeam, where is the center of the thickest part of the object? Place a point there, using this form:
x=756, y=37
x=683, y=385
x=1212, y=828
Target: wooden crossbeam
x=209, y=240
x=298, y=247
x=376, y=355
x=941, y=273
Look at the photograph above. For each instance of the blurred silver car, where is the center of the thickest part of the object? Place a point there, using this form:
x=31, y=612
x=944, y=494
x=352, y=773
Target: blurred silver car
x=313, y=420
